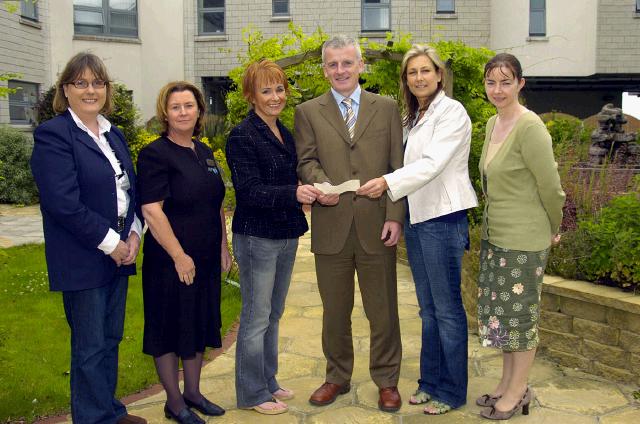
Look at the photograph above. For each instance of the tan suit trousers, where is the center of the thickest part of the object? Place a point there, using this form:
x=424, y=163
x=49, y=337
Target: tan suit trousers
x=378, y=287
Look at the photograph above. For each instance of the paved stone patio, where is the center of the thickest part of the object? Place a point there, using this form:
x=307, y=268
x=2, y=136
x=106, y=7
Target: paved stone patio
x=564, y=395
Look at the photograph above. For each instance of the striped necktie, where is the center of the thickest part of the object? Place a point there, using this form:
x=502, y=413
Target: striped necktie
x=349, y=117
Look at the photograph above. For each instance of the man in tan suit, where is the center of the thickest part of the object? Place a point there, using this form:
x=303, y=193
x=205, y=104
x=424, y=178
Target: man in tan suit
x=347, y=134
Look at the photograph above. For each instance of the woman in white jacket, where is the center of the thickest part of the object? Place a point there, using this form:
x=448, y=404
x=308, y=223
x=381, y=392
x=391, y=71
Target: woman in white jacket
x=435, y=180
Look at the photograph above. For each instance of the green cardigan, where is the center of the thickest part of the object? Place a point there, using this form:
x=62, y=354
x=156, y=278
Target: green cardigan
x=523, y=196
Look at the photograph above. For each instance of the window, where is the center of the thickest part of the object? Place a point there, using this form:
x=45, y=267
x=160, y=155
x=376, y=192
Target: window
x=211, y=16
x=281, y=7
x=215, y=90
x=22, y=102
x=29, y=9
x=106, y=17
x=376, y=15
x=537, y=18
x=638, y=6
x=445, y=6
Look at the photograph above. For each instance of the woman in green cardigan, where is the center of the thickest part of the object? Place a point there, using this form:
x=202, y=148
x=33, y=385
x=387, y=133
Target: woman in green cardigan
x=521, y=219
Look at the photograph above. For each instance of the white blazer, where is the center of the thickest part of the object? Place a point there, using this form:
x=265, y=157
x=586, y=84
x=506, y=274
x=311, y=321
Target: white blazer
x=435, y=175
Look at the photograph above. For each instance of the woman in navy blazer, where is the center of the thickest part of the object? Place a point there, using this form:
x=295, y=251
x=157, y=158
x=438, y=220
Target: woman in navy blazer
x=83, y=169
x=266, y=225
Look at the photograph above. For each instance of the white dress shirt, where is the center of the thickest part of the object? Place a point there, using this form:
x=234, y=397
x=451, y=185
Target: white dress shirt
x=435, y=175
x=110, y=241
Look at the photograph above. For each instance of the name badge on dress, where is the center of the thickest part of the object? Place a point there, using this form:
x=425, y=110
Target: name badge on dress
x=212, y=166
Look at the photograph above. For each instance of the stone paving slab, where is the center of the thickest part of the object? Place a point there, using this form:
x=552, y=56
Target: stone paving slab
x=564, y=395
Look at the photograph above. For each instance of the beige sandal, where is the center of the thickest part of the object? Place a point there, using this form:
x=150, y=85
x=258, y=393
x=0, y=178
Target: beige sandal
x=283, y=394
x=280, y=409
x=419, y=397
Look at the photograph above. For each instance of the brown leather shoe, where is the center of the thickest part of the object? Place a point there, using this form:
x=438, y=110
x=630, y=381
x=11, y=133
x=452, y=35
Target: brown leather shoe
x=131, y=419
x=389, y=399
x=327, y=393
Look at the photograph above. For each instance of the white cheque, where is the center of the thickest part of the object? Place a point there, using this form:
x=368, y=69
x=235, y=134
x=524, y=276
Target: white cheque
x=327, y=188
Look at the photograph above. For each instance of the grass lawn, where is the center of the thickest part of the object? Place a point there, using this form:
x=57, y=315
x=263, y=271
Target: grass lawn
x=34, y=338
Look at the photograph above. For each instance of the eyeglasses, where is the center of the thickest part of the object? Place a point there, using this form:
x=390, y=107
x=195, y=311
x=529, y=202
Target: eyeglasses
x=82, y=84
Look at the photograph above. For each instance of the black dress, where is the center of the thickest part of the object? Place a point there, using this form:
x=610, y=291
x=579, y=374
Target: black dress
x=181, y=318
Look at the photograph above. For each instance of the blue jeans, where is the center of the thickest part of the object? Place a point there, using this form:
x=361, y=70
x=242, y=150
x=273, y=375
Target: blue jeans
x=435, y=250
x=96, y=320
x=265, y=272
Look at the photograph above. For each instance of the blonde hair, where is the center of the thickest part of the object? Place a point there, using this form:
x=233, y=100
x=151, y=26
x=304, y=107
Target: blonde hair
x=410, y=102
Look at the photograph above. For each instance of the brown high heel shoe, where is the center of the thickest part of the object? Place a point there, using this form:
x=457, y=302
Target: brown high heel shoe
x=493, y=414
x=487, y=400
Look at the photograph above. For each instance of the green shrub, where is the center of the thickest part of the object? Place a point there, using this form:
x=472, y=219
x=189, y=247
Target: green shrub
x=614, y=238
x=44, y=106
x=230, y=194
x=125, y=114
x=16, y=181
x=143, y=137
x=566, y=256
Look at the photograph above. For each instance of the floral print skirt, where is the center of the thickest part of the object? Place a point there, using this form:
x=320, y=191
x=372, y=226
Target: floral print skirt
x=509, y=286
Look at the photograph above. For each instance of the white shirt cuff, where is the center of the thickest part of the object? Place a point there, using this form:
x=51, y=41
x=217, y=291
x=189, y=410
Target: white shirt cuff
x=110, y=242
x=136, y=227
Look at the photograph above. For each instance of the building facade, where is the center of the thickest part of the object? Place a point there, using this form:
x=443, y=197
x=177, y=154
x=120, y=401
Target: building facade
x=577, y=54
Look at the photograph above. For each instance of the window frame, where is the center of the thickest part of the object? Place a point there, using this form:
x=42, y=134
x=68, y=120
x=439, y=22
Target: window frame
x=379, y=6
x=202, y=10
x=440, y=10
x=543, y=12
x=107, y=28
x=30, y=13
x=18, y=84
x=278, y=14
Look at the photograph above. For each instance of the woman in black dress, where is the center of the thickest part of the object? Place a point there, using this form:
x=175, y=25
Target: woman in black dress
x=181, y=193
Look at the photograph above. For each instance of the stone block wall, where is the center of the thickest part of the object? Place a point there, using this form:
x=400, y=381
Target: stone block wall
x=217, y=55
x=593, y=328
x=618, y=37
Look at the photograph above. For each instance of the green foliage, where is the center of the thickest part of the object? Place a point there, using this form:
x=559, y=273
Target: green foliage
x=136, y=144
x=614, y=242
x=16, y=182
x=125, y=114
x=307, y=77
x=571, y=138
x=5, y=91
x=566, y=256
x=44, y=106
x=220, y=157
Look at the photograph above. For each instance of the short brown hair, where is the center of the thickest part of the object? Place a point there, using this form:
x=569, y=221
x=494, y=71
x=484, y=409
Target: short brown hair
x=504, y=60
x=73, y=70
x=410, y=102
x=163, y=99
x=258, y=73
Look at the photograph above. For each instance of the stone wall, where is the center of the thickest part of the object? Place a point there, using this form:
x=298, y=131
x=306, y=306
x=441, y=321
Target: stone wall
x=618, y=35
x=216, y=55
x=590, y=327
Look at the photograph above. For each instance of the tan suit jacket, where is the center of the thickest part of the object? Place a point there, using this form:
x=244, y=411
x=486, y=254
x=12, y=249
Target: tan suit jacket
x=326, y=153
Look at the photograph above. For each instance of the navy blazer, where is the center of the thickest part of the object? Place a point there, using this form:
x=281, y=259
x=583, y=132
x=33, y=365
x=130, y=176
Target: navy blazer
x=264, y=176
x=78, y=202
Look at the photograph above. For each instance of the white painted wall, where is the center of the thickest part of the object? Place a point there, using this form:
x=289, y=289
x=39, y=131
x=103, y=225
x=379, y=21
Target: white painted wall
x=143, y=66
x=569, y=49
